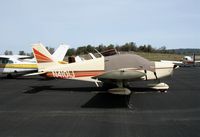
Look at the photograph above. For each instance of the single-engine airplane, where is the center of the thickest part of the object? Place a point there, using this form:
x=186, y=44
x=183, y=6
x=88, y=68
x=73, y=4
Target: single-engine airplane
x=118, y=69
x=20, y=64
x=185, y=61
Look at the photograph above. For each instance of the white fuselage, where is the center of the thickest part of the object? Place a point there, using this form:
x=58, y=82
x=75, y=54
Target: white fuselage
x=161, y=70
x=13, y=64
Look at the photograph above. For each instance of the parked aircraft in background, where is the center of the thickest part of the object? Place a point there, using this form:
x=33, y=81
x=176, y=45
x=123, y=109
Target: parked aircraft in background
x=14, y=64
x=186, y=61
x=19, y=64
x=118, y=69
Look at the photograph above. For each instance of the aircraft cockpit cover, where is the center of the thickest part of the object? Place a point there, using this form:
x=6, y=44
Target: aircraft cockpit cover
x=128, y=61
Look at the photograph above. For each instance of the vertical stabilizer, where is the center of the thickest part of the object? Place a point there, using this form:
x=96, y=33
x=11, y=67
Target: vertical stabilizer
x=43, y=57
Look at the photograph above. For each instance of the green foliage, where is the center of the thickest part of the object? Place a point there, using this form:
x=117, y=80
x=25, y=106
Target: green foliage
x=22, y=52
x=7, y=52
x=81, y=50
x=71, y=52
x=162, y=49
x=101, y=48
x=51, y=50
x=127, y=47
x=111, y=46
x=89, y=48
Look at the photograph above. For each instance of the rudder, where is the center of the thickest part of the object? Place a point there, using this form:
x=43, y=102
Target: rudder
x=42, y=56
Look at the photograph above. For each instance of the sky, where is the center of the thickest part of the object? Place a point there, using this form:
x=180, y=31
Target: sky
x=170, y=23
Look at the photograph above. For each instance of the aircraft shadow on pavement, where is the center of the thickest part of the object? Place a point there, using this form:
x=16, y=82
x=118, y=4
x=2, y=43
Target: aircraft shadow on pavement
x=107, y=100
x=36, y=89
x=100, y=100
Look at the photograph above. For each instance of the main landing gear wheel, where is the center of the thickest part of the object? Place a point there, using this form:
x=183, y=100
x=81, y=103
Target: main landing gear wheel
x=162, y=87
x=120, y=91
x=125, y=93
x=9, y=76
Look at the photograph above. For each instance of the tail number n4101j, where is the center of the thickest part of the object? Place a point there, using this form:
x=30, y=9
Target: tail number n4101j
x=63, y=74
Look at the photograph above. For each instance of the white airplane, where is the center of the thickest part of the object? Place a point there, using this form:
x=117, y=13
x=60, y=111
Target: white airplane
x=186, y=61
x=20, y=64
x=118, y=69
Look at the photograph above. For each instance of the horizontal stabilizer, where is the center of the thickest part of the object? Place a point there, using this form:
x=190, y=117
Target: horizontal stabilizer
x=43, y=58
x=60, y=53
x=34, y=74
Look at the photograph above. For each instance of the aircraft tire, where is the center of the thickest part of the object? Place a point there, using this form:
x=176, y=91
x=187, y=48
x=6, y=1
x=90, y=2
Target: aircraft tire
x=9, y=76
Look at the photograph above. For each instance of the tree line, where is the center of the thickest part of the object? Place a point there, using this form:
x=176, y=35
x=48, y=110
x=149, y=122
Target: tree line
x=127, y=47
x=21, y=52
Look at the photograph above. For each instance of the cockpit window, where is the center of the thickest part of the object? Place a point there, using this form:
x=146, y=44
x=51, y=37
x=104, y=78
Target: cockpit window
x=4, y=60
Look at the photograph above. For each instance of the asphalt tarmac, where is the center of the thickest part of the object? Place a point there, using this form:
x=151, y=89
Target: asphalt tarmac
x=32, y=107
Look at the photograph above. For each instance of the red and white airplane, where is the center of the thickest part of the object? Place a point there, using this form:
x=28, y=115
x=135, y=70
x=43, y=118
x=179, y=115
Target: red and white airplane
x=185, y=61
x=118, y=69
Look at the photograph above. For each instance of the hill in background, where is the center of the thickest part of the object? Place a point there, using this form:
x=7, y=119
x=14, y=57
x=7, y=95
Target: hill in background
x=187, y=51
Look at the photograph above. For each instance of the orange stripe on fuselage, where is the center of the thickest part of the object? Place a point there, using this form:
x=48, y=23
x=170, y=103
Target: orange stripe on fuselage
x=89, y=73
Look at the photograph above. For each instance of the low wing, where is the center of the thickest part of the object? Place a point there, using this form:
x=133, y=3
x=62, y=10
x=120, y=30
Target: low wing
x=27, y=57
x=122, y=74
x=4, y=57
x=173, y=62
